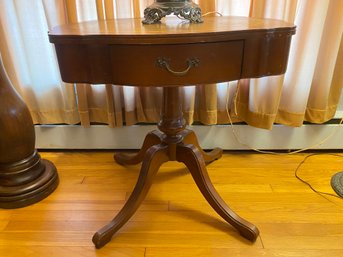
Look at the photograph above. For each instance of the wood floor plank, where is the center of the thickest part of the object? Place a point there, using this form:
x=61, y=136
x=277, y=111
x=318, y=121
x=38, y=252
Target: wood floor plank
x=65, y=251
x=175, y=219
x=3, y=224
x=302, y=229
x=126, y=240
x=303, y=242
x=224, y=252
x=94, y=205
x=193, y=240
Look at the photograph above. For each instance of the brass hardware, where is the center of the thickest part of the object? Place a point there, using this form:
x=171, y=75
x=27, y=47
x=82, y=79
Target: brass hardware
x=163, y=63
x=183, y=9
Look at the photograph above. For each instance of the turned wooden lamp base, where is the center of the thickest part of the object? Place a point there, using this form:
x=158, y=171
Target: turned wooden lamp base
x=41, y=180
x=24, y=178
x=175, y=144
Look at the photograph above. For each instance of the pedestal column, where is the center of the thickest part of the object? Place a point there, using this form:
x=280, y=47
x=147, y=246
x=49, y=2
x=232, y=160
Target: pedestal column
x=24, y=177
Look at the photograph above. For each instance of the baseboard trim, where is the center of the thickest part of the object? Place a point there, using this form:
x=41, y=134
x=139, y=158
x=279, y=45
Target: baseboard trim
x=131, y=137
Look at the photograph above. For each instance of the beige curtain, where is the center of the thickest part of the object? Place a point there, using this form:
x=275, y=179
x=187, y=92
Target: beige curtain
x=30, y=60
x=310, y=89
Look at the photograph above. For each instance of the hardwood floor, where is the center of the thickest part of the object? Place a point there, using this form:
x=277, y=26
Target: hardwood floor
x=175, y=220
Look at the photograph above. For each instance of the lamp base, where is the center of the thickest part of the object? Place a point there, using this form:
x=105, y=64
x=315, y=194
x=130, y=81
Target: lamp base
x=27, y=181
x=182, y=9
x=337, y=183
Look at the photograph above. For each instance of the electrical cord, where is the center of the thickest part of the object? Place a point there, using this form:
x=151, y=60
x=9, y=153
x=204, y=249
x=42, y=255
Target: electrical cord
x=208, y=13
x=270, y=152
x=289, y=153
x=307, y=183
x=214, y=12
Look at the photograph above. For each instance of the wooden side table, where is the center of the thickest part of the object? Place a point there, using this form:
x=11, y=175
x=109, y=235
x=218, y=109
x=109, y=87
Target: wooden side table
x=172, y=54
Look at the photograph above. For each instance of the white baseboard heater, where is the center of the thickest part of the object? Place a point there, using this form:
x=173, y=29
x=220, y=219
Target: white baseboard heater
x=328, y=136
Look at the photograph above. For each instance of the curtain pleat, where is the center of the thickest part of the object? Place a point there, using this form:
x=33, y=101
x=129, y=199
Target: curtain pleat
x=100, y=10
x=136, y=8
x=109, y=9
x=323, y=100
x=258, y=99
x=71, y=11
x=305, y=56
x=110, y=106
x=207, y=6
x=81, y=90
x=207, y=95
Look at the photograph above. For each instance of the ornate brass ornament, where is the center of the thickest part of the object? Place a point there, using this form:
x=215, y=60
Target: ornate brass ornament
x=184, y=9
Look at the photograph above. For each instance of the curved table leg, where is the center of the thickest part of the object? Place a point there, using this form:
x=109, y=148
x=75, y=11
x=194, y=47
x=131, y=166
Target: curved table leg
x=155, y=156
x=153, y=138
x=191, y=138
x=192, y=158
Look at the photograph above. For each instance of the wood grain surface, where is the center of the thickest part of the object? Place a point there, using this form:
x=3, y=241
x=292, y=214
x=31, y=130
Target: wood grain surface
x=175, y=220
x=170, y=28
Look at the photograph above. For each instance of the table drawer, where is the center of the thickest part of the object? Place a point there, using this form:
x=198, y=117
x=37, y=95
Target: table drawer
x=183, y=64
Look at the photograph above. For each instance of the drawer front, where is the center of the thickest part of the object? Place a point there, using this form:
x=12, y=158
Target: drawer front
x=183, y=64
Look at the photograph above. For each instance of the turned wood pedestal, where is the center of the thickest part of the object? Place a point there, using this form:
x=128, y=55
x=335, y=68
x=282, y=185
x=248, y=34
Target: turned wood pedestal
x=173, y=143
x=24, y=177
x=169, y=55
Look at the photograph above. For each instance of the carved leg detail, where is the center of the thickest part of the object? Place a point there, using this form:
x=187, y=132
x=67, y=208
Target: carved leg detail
x=155, y=156
x=153, y=138
x=191, y=138
x=193, y=159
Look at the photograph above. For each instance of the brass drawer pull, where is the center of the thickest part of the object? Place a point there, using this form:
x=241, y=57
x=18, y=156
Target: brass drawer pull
x=163, y=63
